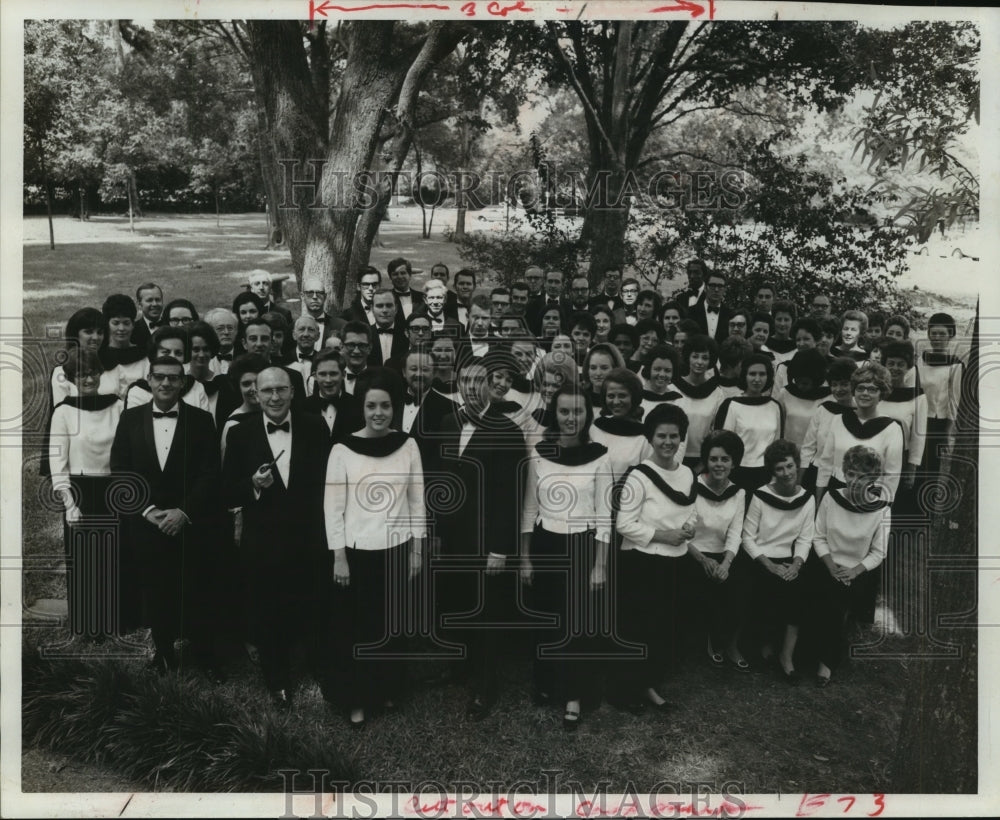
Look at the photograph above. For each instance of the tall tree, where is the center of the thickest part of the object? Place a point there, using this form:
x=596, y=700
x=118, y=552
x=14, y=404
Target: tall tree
x=636, y=78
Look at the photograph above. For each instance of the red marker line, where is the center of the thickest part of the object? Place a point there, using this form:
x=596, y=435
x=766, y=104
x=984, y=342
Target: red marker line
x=326, y=6
x=683, y=5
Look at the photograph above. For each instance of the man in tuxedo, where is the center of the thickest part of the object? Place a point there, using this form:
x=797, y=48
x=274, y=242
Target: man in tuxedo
x=357, y=347
x=440, y=273
x=225, y=325
x=519, y=299
x=763, y=300
x=535, y=277
x=407, y=299
x=611, y=294
x=418, y=335
x=149, y=297
x=329, y=400
x=696, y=271
x=360, y=310
x=259, y=281
x=480, y=315
x=499, y=307
x=314, y=305
x=465, y=286
x=275, y=470
x=305, y=333
x=435, y=308
x=257, y=339
x=553, y=298
x=483, y=453
x=389, y=340
x=711, y=314
x=172, y=450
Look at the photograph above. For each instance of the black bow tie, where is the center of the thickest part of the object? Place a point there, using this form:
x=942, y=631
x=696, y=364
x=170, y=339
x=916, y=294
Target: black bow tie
x=306, y=357
x=552, y=303
x=383, y=330
x=710, y=309
x=285, y=427
x=170, y=414
x=225, y=357
x=410, y=401
x=326, y=402
x=350, y=376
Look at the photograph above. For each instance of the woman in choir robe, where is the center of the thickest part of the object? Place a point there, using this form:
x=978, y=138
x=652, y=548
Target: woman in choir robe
x=118, y=354
x=804, y=393
x=556, y=370
x=565, y=532
x=670, y=316
x=648, y=333
x=662, y=364
x=852, y=529
x=755, y=417
x=81, y=432
x=656, y=519
x=718, y=571
x=600, y=360
x=222, y=397
x=940, y=375
x=806, y=334
x=702, y=394
x=618, y=427
x=376, y=526
x=605, y=319
x=907, y=404
x=777, y=536
x=853, y=326
x=782, y=339
x=838, y=377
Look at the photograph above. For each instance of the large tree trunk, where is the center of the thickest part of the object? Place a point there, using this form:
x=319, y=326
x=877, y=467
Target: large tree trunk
x=939, y=736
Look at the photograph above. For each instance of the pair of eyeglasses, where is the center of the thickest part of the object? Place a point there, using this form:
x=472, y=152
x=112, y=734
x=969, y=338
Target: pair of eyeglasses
x=356, y=345
x=267, y=392
x=314, y=294
x=184, y=320
x=169, y=378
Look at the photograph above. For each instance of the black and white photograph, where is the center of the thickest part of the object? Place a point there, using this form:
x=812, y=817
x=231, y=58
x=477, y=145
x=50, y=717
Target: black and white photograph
x=513, y=408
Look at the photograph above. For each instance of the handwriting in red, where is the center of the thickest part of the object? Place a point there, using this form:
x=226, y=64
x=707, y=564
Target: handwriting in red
x=811, y=803
x=695, y=9
x=322, y=8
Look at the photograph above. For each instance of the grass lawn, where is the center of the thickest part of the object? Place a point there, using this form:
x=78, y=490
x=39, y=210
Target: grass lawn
x=751, y=729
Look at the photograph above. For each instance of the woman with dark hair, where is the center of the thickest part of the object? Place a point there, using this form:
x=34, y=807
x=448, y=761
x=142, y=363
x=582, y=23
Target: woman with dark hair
x=169, y=341
x=647, y=305
x=623, y=337
x=755, y=417
x=80, y=435
x=897, y=328
x=179, y=312
x=551, y=326
x=806, y=391
x=618, y=427
x=648, y=335
x=117, y=352
x=85, y=330
x=806, y=334
x=222, y=398
x=907, y=404
x=782, y=341
x=940, y=376
x=717, y=570
x=838, y=378
x=374, y=556
x=566, y=525
x=777, y=535
x=656, y=519
x=243, y=378
x=662, y=365
x=702, y=395
x=600, y=360
x=669, y=318
x=246, y=306
x=686, y=329
x=850, y=540
x=605, y=319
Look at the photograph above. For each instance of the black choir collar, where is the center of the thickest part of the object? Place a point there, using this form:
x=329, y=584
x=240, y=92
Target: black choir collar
x=865, y=430
x=876, y=503
x=570, y=456
x=670, y=395
x=99, y=401
x=697, y=391
x=521, y=384
x=377, y=447
x=543, y=416
x=815, y=394
x=752, y=401
x=835, y=408
x=501, y=407
x=933, y=359
x=707, y=492
x=618, y=427
x=780, y=502
x=113, y=356
x=677, y=497
x=901, y=394
x=728, y=381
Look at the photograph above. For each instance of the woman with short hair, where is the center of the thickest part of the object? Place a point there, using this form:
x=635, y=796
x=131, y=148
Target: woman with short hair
x=702, y=395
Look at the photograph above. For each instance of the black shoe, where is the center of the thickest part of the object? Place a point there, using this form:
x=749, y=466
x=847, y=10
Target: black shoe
x=792, y=678
x=281, y=699
x=571, y=721
x=822, y=681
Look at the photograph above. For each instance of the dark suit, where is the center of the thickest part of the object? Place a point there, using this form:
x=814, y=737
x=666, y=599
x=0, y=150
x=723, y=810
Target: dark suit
x=416, y=300
x=489, y=474
x=400, y=344
x=535, y=312
x=721, y=330
x=284, y=541
x=141, y=334
x=329, y=326
x=349, y=418
x=169, y=571
x=355, y=312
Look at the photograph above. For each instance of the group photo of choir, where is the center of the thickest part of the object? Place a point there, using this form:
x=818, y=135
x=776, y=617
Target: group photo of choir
x=597, y=479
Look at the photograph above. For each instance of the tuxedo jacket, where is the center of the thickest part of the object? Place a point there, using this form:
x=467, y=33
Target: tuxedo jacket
x=400, y=344
x=282, y=525
x=416, y=300
x=228, y=398
x=427, y=426
x=355, y=312
x=349, y=418
x=489, y=477
x=330, y=325
x=697, y=312
x=536, y=310
x=141, y=334
x=189, y=479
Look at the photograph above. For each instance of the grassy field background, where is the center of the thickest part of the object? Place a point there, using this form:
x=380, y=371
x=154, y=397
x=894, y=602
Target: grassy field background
x=752, y=729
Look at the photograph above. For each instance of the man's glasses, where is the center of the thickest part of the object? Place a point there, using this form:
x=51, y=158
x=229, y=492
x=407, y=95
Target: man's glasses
x=182, y=320
x=267, y=392
x=169, y=378
x=314, y=294
x=356, y=345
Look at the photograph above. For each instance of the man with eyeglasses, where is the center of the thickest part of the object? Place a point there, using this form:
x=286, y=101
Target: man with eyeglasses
x=275, y=470
x=499, y=305
x=630, y=298
x=610, y=295
x=418, y=335
x=360, y=310
x=710, y=313
x=357, y=345
x=257, y=339
x=168, y=452
x=535, y=277
x=174, y=343
x=819, y=308
x=314, y=304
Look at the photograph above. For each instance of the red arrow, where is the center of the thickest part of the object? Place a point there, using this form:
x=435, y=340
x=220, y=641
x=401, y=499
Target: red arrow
x=683, y=5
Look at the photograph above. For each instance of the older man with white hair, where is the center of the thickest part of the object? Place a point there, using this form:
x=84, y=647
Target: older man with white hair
x=260, y=283
x=314, y=305
x=225, y=325
x=306, y=334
